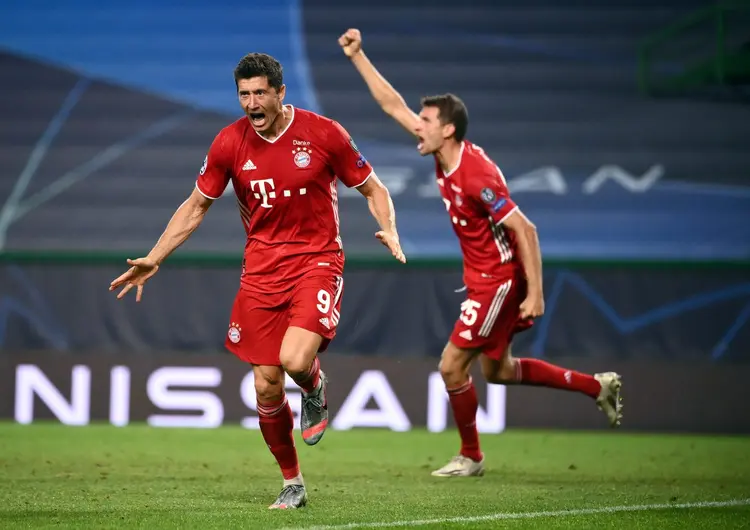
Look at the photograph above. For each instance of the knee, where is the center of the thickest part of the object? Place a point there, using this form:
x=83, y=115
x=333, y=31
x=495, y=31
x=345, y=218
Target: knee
x=298, y=351
x=453, y=372
x=269, y=387
x=504, y=374
x=295, y=365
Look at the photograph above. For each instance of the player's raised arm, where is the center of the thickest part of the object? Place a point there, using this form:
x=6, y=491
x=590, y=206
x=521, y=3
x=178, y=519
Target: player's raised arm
x=386, y=96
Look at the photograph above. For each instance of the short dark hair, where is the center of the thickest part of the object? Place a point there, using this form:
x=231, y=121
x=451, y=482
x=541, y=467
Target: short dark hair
x=450, y=110
x=260, y=65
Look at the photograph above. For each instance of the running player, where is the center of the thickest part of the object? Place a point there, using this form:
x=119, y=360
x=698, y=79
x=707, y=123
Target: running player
x=283, y=163
x=502, y=265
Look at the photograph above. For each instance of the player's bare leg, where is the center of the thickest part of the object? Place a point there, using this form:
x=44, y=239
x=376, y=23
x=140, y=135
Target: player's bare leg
x=299, y=356
x=277, y=425
x=455, y=364
x=604, y=388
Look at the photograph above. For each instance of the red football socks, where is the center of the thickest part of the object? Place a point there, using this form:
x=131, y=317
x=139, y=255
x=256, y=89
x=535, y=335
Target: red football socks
x=464, y=404
x=310, y=381
x=540, y=373
x=276, y=425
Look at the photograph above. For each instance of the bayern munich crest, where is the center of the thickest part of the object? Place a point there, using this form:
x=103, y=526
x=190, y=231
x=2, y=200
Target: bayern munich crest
x=302, y=156
x=234, y=332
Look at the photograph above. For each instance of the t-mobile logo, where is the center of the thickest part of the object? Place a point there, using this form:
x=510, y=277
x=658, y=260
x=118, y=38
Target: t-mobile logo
x=263, y=191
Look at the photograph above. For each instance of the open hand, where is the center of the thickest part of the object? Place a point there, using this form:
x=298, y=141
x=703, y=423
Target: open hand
x=136, y=276
x=391, y=241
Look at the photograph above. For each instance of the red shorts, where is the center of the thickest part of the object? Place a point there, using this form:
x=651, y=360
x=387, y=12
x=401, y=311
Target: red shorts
x=260, y=320
x=490, y=317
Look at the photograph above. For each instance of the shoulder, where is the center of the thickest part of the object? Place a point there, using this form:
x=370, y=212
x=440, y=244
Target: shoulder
x=312, y=119
x=321, y=126
x=319, y=123
x=484, y=185
x=228, y=136
x=322, y=129
x=477, y=159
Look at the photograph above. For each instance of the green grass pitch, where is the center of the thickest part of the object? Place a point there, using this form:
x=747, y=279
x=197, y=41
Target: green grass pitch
x=139, y=477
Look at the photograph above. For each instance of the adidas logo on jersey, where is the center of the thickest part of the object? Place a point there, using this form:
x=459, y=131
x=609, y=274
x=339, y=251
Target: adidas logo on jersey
x=248, y=166
x=325, y=322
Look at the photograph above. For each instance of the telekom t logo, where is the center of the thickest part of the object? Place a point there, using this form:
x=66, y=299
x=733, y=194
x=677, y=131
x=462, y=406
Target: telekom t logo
x=266, y=193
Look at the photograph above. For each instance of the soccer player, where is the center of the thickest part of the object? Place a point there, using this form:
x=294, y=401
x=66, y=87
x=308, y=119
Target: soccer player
x=283, y=163
x=502, y=265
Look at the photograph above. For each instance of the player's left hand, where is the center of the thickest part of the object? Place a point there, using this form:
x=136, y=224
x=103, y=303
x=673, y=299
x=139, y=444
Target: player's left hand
x=351, y=42
x=532, y=306
x=391, y=241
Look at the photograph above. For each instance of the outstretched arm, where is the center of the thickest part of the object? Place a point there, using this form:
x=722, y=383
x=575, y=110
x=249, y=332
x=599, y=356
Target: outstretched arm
x=387, y=97
x=185, y=220
x=183, y=223
x=212, y=179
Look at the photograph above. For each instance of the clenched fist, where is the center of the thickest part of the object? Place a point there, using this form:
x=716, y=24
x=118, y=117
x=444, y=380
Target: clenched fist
x=351, y=42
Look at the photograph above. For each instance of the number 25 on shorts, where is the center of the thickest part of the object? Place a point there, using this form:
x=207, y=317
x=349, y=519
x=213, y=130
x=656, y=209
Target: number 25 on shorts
x=469, y=312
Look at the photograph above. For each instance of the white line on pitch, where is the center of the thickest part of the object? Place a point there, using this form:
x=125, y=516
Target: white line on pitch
x=535, y=515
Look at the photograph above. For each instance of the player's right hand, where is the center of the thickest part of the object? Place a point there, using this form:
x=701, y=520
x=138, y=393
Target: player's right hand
x=136, y=276
x=351, y=42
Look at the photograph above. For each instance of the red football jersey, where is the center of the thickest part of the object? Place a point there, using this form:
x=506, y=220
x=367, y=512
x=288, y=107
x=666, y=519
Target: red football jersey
x=477, y=199
x=286, y=194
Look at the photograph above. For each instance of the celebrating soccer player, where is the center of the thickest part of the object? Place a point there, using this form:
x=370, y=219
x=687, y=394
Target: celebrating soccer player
x=502, y=265
x=283, y=163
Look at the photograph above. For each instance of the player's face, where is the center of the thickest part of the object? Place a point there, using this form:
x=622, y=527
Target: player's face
x=431, y=133
x=261, y=102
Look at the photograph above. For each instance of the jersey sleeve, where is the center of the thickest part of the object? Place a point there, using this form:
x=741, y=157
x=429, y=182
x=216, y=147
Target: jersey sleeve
x=348, y=163
x=214, y=175
x=491, y=194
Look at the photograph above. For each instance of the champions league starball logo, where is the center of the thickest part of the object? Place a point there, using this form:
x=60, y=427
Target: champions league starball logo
x=487, y=195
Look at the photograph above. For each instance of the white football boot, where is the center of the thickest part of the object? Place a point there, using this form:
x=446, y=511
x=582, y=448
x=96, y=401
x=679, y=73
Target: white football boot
x=461, y=466
x=609, y=400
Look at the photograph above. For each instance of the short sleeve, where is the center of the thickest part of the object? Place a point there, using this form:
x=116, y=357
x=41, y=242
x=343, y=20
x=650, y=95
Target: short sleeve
x=348, y=163
x=491, y=194
x=215, y=173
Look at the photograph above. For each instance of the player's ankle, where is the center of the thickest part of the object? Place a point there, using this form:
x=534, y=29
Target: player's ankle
x=476, y=456
x=296, y=480
x=314, y=390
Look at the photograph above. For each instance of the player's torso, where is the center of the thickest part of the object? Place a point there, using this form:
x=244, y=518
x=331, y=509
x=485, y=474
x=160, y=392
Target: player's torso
x=286, y=195
x=488, y=250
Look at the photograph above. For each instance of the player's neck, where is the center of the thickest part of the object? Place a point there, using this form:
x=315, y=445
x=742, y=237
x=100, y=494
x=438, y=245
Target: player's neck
x=449, y=156
x=279, y=124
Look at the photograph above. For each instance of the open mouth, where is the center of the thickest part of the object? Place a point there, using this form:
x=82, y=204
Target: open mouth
x=420, y=143
x=258, y=119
